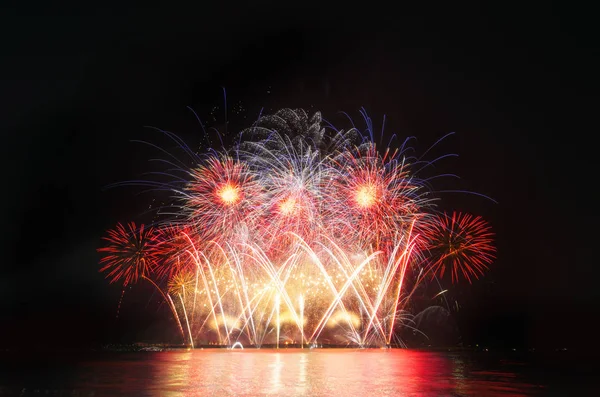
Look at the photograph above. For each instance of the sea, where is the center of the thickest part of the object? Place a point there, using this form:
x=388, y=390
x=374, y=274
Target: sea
x=295, y=372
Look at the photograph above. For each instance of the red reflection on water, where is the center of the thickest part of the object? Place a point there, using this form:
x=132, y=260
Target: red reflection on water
x=250, y=372
x=296, y=372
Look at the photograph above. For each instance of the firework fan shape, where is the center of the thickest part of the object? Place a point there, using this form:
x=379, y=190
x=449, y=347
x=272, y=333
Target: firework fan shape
x=299, y=234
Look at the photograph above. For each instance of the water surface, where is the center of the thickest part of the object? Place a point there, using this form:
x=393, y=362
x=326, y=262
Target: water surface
x=292, y=372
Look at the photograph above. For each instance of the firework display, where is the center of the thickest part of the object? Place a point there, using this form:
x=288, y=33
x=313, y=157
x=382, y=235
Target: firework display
x=299, y=234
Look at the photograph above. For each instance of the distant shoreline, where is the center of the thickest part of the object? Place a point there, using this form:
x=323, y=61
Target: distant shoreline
x=168, y=347
x=164, y=347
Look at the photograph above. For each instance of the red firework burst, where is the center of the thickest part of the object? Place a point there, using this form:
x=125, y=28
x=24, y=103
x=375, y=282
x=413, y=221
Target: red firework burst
x=372, y=197
x=290, y=211
x=462, y=243
x=176, y=247
x=130, y=253
x=220, y=197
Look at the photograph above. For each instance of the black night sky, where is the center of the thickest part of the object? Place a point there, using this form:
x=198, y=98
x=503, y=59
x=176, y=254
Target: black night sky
x=516, y=84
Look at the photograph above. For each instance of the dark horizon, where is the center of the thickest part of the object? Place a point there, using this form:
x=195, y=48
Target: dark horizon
x=515, y=85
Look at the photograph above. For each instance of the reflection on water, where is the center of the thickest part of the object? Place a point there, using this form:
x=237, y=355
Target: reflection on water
x=270, y=372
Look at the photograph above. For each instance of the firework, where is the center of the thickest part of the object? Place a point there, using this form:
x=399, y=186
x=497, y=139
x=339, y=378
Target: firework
x=372, y=197
x=130, y=253
x=174, y=245
x=461, y=244
x=220, y=198
x=300, y=234
x=182, y=283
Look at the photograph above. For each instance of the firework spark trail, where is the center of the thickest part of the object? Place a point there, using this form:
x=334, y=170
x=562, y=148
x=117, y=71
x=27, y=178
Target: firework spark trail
x=167, y=298
x=186, y=320
x=301, y=232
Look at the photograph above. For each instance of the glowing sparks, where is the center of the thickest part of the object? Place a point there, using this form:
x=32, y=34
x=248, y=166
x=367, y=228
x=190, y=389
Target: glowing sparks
x=130, y=253
x=302, y=234
x=229, y=194
x=344, y=318
x=288, y=206
x=461, y=244
x=366, y=196
x=182, y=283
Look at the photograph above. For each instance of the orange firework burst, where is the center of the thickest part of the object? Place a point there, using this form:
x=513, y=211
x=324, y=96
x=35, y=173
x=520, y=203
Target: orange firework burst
x=182, y=283
x=131, y=253
x=462, y=243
